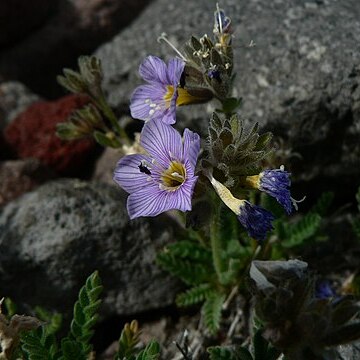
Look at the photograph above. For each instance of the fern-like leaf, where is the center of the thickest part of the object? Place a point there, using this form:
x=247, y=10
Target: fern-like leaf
x=189, y=272
x=190, y=250
x=85, y=313
x=53, y=320
x=72, y=350
x=211, y=311
x=195, y=295
x=304, y=229
x=32, y=344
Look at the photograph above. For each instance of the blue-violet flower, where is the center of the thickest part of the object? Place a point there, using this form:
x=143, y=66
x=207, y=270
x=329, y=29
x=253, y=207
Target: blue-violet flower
x=324, y=290
x=255, y=219
x=165, y=178
x=276, y=183
x=158, y=99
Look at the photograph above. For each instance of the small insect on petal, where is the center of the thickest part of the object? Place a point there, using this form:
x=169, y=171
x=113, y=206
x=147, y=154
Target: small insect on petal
x=144, y=169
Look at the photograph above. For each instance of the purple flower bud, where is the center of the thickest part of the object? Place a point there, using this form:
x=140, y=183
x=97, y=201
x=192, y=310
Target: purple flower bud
x=324, y=290
x=276, y=183
x=255, y=219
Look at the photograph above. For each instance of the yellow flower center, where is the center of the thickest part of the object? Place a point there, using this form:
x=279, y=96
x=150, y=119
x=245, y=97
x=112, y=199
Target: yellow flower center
x=173, y=177
x=183, y=98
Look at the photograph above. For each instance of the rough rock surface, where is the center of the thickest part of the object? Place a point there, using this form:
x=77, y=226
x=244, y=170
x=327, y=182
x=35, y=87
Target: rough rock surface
x=76, y=28
x=301, y=80
x=20, y=176
x=33, y=134
x=52, y=238
x=14, y=99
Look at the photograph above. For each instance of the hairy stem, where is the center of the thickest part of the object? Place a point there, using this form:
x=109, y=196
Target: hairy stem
x=215, y=239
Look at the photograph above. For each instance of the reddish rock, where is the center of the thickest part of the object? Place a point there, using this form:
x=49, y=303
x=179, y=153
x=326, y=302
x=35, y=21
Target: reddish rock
x=32, y=134
x=20, y=176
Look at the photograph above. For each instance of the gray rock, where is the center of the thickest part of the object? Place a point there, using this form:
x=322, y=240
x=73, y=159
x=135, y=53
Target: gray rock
x=14, y=99
x=301, y=80
x=52, y=238
x=349, y=351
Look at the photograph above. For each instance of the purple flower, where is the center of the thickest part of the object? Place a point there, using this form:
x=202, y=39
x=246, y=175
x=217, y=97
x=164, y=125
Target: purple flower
x=157, y=99
x=164, y=179
x=276, y=183
x=324, y=290
x=255, y=219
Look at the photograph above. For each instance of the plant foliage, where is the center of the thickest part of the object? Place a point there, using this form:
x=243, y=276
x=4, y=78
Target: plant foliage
x=42, y=343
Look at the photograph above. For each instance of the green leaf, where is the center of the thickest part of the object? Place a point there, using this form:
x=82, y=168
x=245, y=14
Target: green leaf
x=190, y=250
x=231, y=105
x=189, y=271
x=106, y=140
x=33, y=346
x=194, y=295
x=151, y=352
x=186, y=270
x=128, y=341
x=303, y=230
x=71, y=350
x=10, y=307
x=53, y=320
x=323, y=203
x=85, y=309
x=221, y=353
x=211, y=311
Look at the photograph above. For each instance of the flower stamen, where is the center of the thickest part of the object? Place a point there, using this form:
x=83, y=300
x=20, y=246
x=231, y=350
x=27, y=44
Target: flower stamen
x=173, y=177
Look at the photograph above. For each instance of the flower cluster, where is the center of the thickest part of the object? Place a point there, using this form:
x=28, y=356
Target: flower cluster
x=163, y=176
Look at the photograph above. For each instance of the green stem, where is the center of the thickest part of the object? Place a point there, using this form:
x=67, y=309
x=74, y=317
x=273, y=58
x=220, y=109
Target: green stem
x=215, y=238
x=108, y=112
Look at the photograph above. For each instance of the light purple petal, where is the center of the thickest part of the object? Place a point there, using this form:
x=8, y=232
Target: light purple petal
x=141, y=99
x=128, y=175
x=191, y=146
x=175, y=69
x=162, y=142
x=145, y=202
x=151, y=201
x=153, y=69
x=169, y=116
